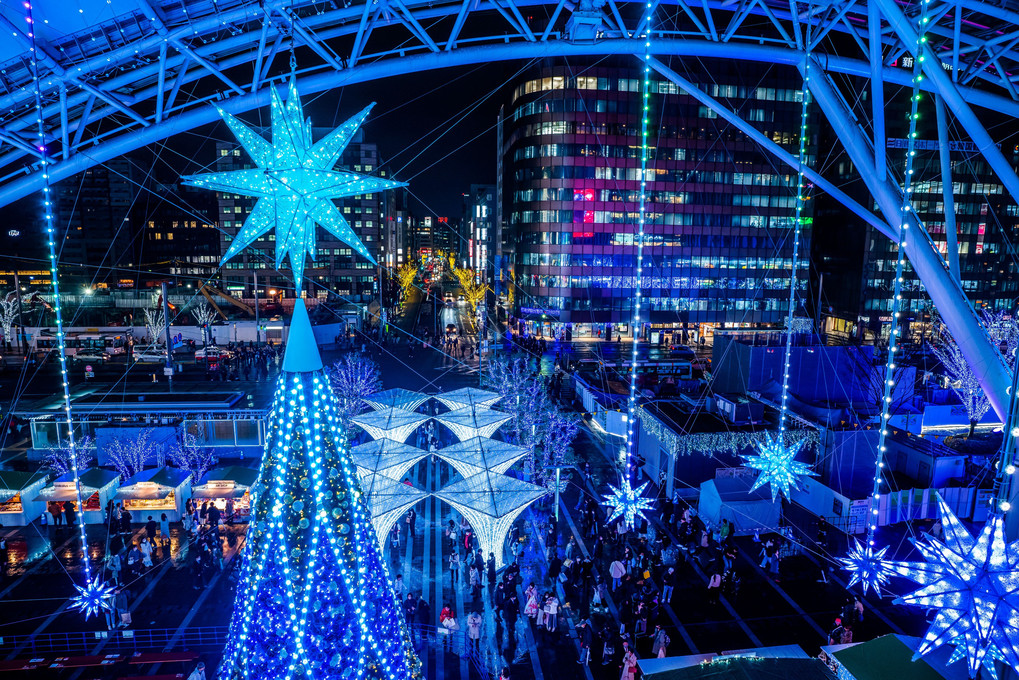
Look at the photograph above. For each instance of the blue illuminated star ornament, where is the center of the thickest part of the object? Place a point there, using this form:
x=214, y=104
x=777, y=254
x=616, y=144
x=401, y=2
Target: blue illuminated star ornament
x=92, y=597
x=295, y=181
x=626, y=502
x=973, y=584
x=866, y=566
x=778, y=465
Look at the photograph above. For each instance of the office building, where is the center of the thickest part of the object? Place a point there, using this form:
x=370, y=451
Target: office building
x=718, y=246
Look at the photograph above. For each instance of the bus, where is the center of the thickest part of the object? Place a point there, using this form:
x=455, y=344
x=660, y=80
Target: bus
x=651, y=373
x=96, y=346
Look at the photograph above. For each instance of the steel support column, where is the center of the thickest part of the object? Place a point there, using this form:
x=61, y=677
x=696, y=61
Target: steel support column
x=946, y=293
x=951, y=233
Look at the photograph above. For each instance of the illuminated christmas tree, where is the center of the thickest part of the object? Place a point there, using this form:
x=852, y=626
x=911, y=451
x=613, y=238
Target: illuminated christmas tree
x=314, y=598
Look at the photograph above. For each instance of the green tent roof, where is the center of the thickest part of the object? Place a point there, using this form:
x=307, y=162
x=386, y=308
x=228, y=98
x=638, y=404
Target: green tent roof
x=751, y=668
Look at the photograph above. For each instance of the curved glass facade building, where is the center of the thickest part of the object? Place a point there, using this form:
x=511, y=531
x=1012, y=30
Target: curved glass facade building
x=719, y=244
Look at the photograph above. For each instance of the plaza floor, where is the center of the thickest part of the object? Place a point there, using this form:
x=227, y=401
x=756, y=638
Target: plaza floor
x=799, y=607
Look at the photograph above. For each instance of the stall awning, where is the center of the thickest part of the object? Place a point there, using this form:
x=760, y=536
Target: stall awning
x=63, y=493
x=137, y=493
x=207, y=492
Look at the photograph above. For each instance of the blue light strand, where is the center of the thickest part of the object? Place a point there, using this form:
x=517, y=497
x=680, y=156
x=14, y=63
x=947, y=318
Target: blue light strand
x=326, y=557
x=624, y=499
x=776, y=456
x=89, y=591
x=866, y=564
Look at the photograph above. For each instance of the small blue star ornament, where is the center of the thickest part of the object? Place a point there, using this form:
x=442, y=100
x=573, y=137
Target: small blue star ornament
x=626, y=502
x=295, y=182
x=866, y=566
x=778, y=465
x=92, y=597
x=973, y=584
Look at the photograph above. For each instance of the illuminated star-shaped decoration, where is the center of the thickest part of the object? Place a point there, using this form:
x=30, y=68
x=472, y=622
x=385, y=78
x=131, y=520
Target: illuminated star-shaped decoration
x=865, y=566
x=295, y=183
x=778, y=465
x=92, y=597
x=993, y=654
x=973, y=584
x=626, y=502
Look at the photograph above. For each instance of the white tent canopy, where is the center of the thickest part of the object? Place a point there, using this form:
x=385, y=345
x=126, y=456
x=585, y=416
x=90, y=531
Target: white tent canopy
x=388, y=499
x=467, y=397
x=479, y=454
x=730, y=498
x=396, y=398
x=470, y=422
x=491, y=503
x=386, y=457
x=390, y=423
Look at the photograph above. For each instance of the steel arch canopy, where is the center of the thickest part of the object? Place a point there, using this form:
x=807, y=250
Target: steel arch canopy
x=124, y=74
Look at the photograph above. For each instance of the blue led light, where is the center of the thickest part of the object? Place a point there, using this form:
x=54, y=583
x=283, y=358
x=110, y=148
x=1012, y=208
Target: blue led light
x=973, y=584
x=626, y=502
x=778, y=466
x=295, y=183
x=866, y=567
x=92, y=597
x=624, y=499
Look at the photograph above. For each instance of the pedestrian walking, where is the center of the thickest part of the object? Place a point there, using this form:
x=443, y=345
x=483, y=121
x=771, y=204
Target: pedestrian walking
x=164, y=529
x=474, y=623
x=584, y=633
x=454, y=567
x=629, y=662
x=660, y=642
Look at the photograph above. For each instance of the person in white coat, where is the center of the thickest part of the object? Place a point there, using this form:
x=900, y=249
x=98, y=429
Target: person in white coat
x=474, y=623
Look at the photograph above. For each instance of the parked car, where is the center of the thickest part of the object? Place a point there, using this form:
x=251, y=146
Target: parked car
x=149, y=353
x=212, y=352
x=90, y=354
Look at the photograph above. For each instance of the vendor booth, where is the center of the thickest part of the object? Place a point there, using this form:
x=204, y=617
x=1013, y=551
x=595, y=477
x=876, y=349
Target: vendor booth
x=97, y=488
x=156, y=491
x=229, y=489
x=16, y=490
x=729, y=497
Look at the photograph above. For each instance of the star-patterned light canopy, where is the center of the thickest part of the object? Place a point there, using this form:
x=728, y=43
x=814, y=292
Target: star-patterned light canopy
x=778, y=465
x=973, y=584
x=626, y=502
x=866, y=567
x=295, y=183
x=92, y=597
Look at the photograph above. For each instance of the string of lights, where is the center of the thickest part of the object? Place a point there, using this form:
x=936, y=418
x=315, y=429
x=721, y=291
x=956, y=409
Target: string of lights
x=93, y=595
x=776, y=456
x=864, y=561
x=626, y=501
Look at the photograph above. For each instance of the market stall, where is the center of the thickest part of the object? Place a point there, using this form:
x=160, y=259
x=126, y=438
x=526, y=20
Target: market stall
x=16, y=488
x=97, y=488
x=156, y=491
x=229, y=489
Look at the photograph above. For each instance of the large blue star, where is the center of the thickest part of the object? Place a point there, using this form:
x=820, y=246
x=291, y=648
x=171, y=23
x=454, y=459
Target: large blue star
x=626, y=502
x=778, y=465
x=92, y=597
x=295, y=183
x=973, y=584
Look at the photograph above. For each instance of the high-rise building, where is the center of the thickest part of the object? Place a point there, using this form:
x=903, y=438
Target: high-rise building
x=859, y=264
x=180, y=237
x=91, y=211
x=479, y=228
x=335, y=271
x=720, y=212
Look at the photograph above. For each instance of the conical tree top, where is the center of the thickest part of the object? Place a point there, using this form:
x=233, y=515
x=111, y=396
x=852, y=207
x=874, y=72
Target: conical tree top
x=302, y=351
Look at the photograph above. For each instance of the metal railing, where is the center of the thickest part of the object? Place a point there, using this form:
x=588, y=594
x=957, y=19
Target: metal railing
x=210, y=637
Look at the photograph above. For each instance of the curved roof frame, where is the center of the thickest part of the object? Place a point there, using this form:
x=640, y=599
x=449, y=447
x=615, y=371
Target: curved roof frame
x=135, y=77
x=127, y=83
